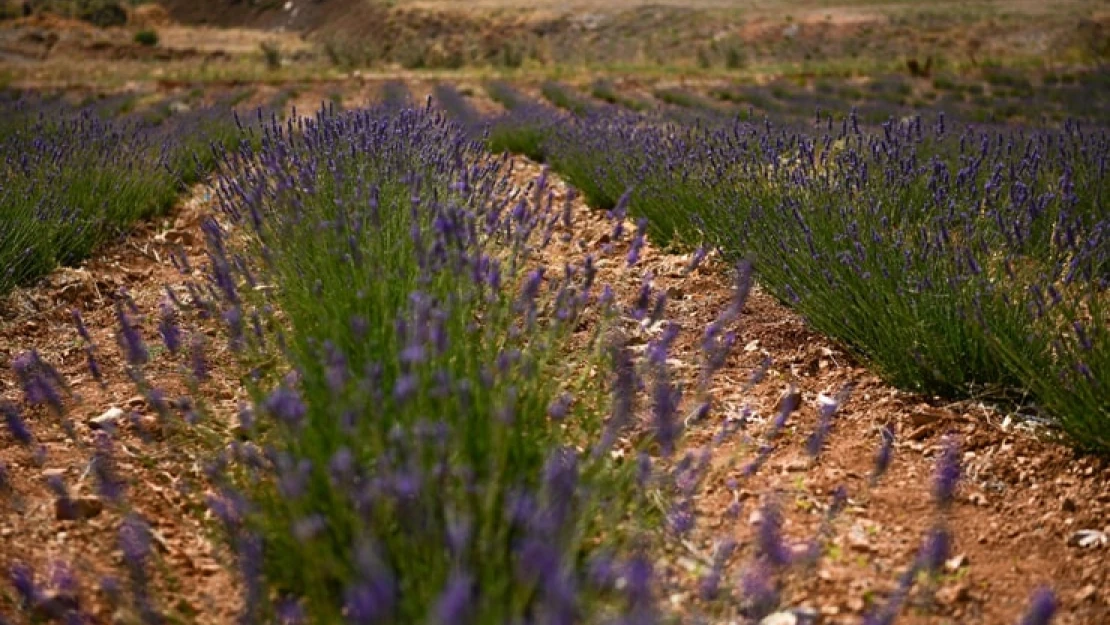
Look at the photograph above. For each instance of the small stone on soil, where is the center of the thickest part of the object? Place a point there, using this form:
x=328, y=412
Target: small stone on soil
x=106, y=420
x=780, y=618
x=77, y=509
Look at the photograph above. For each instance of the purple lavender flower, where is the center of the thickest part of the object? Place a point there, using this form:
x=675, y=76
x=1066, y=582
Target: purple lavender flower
x=40, y=381
x=109, y=484
x=638, y=576
x=665, y=400
x=369, y=602
x=757, y=587
x=15, y=423
x=233, y=318
x=770, y=543
x=285, y=405
x=935, y=551
x=709, y=585
x=637, y=242
x=601, y=570
x=82, y=331
x=94, y=367
x=309, y=527
x=680, y=518
x=23, y=580
x=696, y=260
x=455, y=603
x=559, y=407
x=825, y=414
x=745, y=278
x=947, y=471
x=198, y=364
x=1042, y=607
x=167, y=327
x=289, y=611
x=131, y=342
x=135, y=541
x=884, y=455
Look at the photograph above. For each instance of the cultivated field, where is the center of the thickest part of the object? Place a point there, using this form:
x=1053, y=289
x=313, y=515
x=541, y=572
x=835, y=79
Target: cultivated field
x=495, y=312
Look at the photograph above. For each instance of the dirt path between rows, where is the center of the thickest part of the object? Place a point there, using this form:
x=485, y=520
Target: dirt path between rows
x=1015, y=514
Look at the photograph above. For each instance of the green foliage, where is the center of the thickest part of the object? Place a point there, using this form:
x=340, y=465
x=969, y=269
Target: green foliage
x=147, y=38
x=605, y=91
x=271, y=54
x=562, y=97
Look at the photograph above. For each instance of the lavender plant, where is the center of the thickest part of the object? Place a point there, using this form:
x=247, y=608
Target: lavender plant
x=958, y=262
x=71, y=179
x=424, y=460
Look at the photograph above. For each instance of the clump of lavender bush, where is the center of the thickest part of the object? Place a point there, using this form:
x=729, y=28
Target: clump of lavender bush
x=71, y=180
x=431, y=453
x=960, y=263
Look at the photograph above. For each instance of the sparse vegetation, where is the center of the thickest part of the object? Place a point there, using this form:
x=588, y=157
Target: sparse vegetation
x=147, y=38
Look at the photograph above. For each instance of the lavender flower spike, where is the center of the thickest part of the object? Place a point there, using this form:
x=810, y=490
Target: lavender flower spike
x=884, y=455
x=15, y=423
x=1042, y=608
x=947, y=472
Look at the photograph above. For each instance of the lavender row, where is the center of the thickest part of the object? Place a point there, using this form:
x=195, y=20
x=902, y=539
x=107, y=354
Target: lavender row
x=72, y=178
x=961, y=261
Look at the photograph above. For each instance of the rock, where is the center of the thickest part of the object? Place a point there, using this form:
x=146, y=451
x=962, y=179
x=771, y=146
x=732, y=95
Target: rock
x=792, y=397
x=125, y=616
x=780, y=618
x=1068, y=505
x=797, y=465
x=806, y=615
x=954, y=594
x=55, y=605
x=78, y=509
x=921, y=433
x=954, y=564
x=1086, y=593
x=179, y=237
x=1088, y=539
x=925, y=415
x=108, y=419
x=858, y=539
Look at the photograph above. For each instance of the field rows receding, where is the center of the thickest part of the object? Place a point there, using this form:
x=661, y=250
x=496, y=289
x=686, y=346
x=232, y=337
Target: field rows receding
x=470, y=439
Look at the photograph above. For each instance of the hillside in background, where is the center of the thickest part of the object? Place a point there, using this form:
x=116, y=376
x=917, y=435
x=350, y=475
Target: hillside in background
x=450, y=34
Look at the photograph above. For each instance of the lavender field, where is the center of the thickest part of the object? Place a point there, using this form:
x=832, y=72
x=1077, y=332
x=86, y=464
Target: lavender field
x=511, y=349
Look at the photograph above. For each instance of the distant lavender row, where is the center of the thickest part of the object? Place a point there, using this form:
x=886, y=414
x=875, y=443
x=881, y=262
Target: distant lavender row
x=71, y=179
x=960, y=261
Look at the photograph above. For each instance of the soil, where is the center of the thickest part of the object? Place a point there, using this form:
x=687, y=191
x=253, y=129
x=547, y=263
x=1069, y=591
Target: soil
x=1014, y=521
x=162, y=466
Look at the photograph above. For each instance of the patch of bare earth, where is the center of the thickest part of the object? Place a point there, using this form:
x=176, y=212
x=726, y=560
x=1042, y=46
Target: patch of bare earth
x=160, y=459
